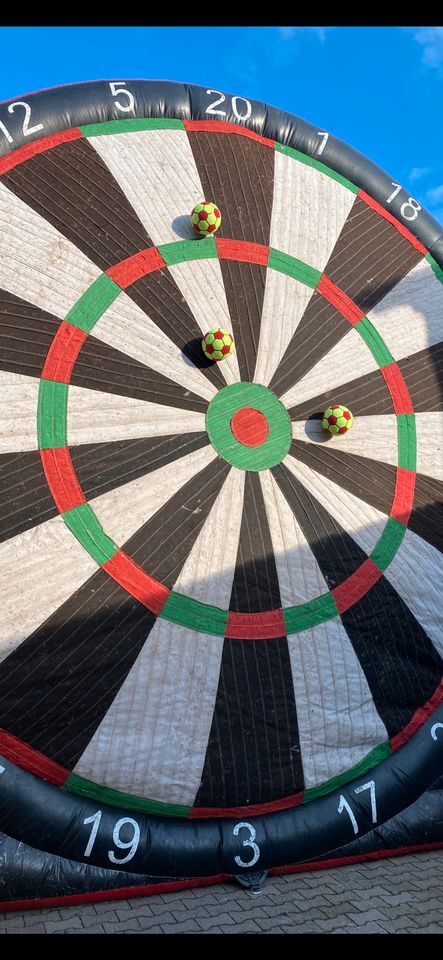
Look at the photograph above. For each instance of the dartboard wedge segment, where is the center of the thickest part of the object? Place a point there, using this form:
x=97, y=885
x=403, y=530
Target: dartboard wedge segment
x=212, y=611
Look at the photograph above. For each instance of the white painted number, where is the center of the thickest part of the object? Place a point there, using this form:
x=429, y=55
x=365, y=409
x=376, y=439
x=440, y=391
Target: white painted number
x=2, y=769
x=413, y=205
x=27, y=130
x=247, y=843
x=215, y=103
x=95, y=820
x=434, y=729
x=394, y=194
x=6, y=132
x=344, y=805
x=124, y=107
x=370, y=786
x=130, y=845
x=234, y=104
x=322, y=133
x=241, y=116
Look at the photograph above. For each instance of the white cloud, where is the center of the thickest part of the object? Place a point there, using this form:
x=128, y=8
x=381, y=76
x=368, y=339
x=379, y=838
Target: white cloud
x=269, y=48
x=418, y=172
x=289, y=32
x=431, y=39
x=436, y=194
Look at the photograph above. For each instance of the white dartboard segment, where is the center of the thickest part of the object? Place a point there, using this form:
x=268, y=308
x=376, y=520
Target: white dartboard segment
x=284, y=303
x=127, y=328
x=37, y=263
x=166, y=703
x=348, y=359
x=337, y=720
x=201, y=283
x=122, y=511
x=359, y=519
x=309, y=211
x=157, y=172
x=372, y=437
x=120, y=418
x=18, y=417
x=299, y=576
x=39, y=570
x=409, y=318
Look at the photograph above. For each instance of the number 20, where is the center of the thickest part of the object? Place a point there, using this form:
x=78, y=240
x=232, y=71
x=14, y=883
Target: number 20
x=234, y=102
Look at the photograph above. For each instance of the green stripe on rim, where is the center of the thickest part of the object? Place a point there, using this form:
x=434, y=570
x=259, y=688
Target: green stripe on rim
x=371, y=760
x=130, y=126
x=83, y=523
x=388, y=544
x=294, y=268
x=202, y=248
x=307, y=615
x=93, y=303
x=188, y=612
x=374, y=341
x=52, y=414
x=435, y=267
x=317, y=164
x=406, y=441
x=86, y=788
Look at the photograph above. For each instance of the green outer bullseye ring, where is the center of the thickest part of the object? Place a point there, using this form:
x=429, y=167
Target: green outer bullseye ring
x=218, y=425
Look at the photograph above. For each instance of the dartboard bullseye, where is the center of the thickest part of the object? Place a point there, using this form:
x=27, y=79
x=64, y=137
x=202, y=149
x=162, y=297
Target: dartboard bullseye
x=220, y=602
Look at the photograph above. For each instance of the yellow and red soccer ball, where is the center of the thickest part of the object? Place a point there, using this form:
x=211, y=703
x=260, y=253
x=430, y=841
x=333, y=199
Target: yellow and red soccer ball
x=205, y=218
x=218, y=344
x=337, y=419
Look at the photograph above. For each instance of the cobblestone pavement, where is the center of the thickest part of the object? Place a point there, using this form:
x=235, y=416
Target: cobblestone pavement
x=396, y=895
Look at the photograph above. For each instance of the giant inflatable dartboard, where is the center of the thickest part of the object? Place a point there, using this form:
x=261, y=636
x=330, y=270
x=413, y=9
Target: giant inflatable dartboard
x=211, y=613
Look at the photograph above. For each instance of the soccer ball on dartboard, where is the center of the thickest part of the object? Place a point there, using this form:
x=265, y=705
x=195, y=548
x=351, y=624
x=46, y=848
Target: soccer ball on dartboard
x=205, y=218
x=337, y=419
x=218, y=344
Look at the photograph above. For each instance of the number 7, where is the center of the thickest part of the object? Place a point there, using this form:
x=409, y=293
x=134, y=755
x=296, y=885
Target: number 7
x=370, y=785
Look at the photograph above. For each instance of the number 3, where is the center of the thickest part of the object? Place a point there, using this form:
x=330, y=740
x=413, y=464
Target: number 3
x=124, y=107
x=247, y=843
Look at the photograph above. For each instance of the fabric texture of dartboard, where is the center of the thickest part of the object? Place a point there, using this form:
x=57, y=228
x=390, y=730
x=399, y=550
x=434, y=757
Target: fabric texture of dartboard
x=194, y=624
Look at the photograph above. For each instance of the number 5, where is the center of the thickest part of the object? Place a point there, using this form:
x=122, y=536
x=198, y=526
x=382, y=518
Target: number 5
x=124, y=107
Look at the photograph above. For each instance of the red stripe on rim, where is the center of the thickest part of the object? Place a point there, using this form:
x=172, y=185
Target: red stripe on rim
x=38, y=146
x=219, y=126
x=63, y=353
x=355, y=587
x=151, y=593
x=252, y=810
x=395, y=223
x=255, y=626
x=130, y=270
x=20, y=753
x=242, y=250
x=339, y=300
x=403, y=495
x=122, y=893
x=61, y=478
x=419, y=718
x=395, y=382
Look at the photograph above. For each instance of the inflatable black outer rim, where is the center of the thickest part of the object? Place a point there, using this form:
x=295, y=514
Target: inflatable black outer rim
x=51, y=819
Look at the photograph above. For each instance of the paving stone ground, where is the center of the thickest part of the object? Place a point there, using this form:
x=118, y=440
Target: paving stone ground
x=396, y=895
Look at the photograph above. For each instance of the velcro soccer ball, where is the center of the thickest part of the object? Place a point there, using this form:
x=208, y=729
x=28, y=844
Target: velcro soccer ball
x=337, y=419
x=218, y=344
x=205, y=218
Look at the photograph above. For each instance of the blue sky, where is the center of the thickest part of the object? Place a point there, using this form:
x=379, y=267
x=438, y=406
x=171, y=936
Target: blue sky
x=378, y=88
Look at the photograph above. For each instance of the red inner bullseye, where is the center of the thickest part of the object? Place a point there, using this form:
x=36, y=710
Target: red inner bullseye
x=250, y=427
